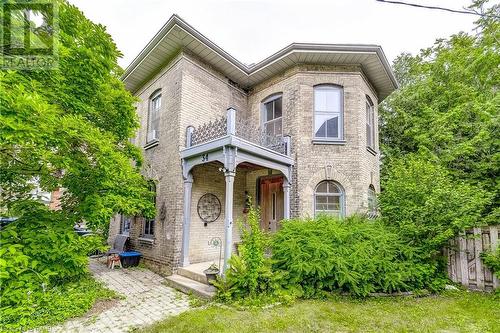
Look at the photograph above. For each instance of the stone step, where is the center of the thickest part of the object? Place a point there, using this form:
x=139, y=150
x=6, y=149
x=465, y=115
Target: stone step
x=189, y=286
x=193, y=275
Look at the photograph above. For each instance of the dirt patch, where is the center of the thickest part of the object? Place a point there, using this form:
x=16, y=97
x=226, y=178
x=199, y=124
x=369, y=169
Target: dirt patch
x=101, y=306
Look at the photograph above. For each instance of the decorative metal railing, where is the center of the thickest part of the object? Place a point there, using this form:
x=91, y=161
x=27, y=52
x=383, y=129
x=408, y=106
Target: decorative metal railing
x=246, y=130
x=209, y=131
x=240, y=127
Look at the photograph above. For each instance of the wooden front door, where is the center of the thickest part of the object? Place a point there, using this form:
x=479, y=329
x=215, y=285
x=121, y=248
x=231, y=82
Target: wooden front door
x=271, y=202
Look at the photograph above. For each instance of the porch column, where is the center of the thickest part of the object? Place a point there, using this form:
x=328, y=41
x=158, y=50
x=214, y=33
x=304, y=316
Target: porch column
x=286, y=199
x=228, y=220
x=186, y=226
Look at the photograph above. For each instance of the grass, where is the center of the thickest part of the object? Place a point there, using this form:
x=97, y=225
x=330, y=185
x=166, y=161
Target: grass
x=450, y=312
x=57, y=305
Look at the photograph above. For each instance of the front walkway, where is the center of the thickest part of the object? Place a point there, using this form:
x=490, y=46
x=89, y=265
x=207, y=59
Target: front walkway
x=147, y=300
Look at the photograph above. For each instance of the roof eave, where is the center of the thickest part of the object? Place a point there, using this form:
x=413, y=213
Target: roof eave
x=175, y=20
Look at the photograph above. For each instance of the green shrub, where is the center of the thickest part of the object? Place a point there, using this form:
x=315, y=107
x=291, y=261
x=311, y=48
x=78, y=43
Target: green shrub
x=250, y=276
x=427, y=207
x=39, y=252
x=53, y=305
x=354, y=255
x=492, y=260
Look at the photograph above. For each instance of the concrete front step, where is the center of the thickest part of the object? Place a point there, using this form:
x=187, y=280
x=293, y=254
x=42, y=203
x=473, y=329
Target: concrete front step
x=189, y=286
x=192, y=274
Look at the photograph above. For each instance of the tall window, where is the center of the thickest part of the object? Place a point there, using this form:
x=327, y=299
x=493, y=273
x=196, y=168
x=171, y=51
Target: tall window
x=272, y=115
x=154, y=116
x=370, y=124
x=328, y=112
x=149, y=224
x=329, y=199
x=125, y=223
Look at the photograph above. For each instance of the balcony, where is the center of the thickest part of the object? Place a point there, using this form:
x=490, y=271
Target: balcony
x=239, y=127
x=215, y=140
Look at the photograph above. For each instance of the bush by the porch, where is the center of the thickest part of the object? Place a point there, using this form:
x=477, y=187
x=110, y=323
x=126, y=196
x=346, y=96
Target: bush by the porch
x=312, y=256
x=353, y=255
x=250, y=276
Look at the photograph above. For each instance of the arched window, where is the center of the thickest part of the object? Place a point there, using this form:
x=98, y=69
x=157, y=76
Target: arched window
x=272, y=111
x=370, y=123
x=372, y=202
x=328, y=112
x=329, y=199
x=154, y=116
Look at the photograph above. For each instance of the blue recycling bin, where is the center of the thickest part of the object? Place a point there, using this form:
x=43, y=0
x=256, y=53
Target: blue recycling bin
x=130, y=258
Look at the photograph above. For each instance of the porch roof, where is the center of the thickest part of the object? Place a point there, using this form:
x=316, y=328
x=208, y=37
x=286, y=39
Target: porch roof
x=241, y=144
x=244, y=151
x=176, y=35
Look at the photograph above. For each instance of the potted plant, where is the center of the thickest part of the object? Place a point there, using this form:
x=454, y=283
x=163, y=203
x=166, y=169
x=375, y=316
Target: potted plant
x=211, y=273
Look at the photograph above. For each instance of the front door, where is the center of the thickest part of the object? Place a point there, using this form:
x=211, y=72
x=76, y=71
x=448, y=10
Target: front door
x=271, y=202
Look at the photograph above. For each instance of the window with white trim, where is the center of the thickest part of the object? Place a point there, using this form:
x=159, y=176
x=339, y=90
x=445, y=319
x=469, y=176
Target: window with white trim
x=370, y=123
x=329, y=199
x=328, y=112
x=125, y=222
x=272, y=111
x=154, y=116
x=148, y=230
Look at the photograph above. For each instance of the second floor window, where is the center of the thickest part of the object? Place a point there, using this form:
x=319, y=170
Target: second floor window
x=328, y=112
x=370, y=124
x=272, y=115
x=154, y=116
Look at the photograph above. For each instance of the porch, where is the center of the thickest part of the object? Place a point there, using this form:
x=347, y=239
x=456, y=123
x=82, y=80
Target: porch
x=227, y=165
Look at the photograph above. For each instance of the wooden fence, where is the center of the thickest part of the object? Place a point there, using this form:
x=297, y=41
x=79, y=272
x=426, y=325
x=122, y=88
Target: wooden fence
x=464, y=262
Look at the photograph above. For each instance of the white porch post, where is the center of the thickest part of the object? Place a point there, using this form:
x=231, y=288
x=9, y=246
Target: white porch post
x=229, y=174
x=188, y=184
x=228, y=221
x=286, y=199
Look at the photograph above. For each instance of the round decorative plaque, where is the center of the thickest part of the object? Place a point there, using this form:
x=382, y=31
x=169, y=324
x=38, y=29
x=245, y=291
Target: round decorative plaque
x=209, y=208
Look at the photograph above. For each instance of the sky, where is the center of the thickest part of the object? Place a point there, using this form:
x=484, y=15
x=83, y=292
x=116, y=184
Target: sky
x=252, y=30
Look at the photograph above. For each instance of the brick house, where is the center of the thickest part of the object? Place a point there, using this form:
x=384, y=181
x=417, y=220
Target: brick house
x=295, y=134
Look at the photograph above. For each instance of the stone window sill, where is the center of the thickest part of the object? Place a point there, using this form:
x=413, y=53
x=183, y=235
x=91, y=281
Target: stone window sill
x=371, y=151
x=328, y=142
x=146, y=240
x=151, y=144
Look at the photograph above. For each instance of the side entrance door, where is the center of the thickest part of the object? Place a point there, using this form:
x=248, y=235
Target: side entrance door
x=271, y=202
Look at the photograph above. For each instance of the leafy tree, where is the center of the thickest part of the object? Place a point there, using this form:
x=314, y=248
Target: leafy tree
x=448, y=107
x=69, y=127
x=66, y=128
x=426, y=205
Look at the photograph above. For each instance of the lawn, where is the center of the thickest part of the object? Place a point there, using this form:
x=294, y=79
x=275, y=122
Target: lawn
x=451, y=312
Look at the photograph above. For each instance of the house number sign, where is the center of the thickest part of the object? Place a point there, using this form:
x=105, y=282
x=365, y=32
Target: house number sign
x=209, y=208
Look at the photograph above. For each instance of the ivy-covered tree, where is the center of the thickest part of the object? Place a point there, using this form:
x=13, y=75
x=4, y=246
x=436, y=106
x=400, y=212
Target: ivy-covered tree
x=448, y=107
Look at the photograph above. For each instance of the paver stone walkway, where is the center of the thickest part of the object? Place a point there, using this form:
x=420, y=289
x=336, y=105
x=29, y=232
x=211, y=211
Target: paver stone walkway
x=147, y=300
